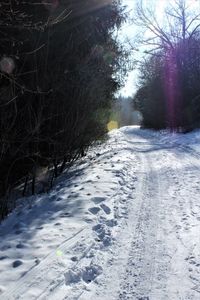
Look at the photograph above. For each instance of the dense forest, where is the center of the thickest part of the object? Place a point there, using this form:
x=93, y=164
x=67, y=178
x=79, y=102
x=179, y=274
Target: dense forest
x=60, y=66
x=168, y=93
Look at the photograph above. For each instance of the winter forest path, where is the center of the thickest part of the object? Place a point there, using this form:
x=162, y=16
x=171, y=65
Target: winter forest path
x=137, y=239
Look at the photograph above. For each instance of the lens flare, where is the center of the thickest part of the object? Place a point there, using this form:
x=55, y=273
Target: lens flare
x=59, y=253
x=7, y=65
x=112, y=125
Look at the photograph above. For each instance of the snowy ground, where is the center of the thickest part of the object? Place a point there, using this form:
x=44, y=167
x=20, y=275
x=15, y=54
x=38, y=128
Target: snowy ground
x=125, y=226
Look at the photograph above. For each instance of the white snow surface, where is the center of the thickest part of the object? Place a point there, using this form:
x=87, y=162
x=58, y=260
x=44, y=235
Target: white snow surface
x=124, y=224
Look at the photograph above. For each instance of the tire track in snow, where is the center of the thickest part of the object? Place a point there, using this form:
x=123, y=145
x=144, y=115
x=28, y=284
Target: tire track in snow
x=187, y=226
x=173, y=275
x=137, y=281
x=172, y=278
x=163, y=264
x=164, y=275
x=154, y=252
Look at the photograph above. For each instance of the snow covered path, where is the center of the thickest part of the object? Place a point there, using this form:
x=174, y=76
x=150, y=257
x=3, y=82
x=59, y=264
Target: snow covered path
x=127, y=226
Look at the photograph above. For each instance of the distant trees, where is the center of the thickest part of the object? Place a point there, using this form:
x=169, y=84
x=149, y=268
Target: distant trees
x=150, y=98
x=168, y=93
x=124, y=112
x=57, y=66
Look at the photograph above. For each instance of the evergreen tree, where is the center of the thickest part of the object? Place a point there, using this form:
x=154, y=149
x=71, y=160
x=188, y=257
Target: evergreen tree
x=59, y=63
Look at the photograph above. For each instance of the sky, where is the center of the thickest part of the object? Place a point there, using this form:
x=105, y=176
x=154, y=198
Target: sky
x=129, y=30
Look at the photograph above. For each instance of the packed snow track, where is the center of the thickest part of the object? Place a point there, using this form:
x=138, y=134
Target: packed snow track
x=124, y=225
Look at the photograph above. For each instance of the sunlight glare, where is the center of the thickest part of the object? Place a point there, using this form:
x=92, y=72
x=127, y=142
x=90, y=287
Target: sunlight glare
x=112, y=125
x=59, y=253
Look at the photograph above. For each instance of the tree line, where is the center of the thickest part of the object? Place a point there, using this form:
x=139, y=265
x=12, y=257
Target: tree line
x=60, y=66
x=168, y=93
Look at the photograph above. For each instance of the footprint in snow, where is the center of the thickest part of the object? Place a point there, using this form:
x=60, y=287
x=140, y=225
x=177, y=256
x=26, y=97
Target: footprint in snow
x=194, y=213
x=111, y=223
x=87, y=274
x=189, y=257
x=37, y=261
x=18, y=232
x=103, y=234
x=98, y=200
x=20, y=246
x=197, y=265
x=94, y=210
x=58, y=199
x=186, y=228
x=67, y=214
x=3, y=257
x=87, y=220
x=89, y=181
x=40, y=228
x=74, y=258
x=90, y=273
x=5, y=247
x=73, y=195
x=178, y=227
x=17, y=263
x=57, y=224
x=105, y=208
